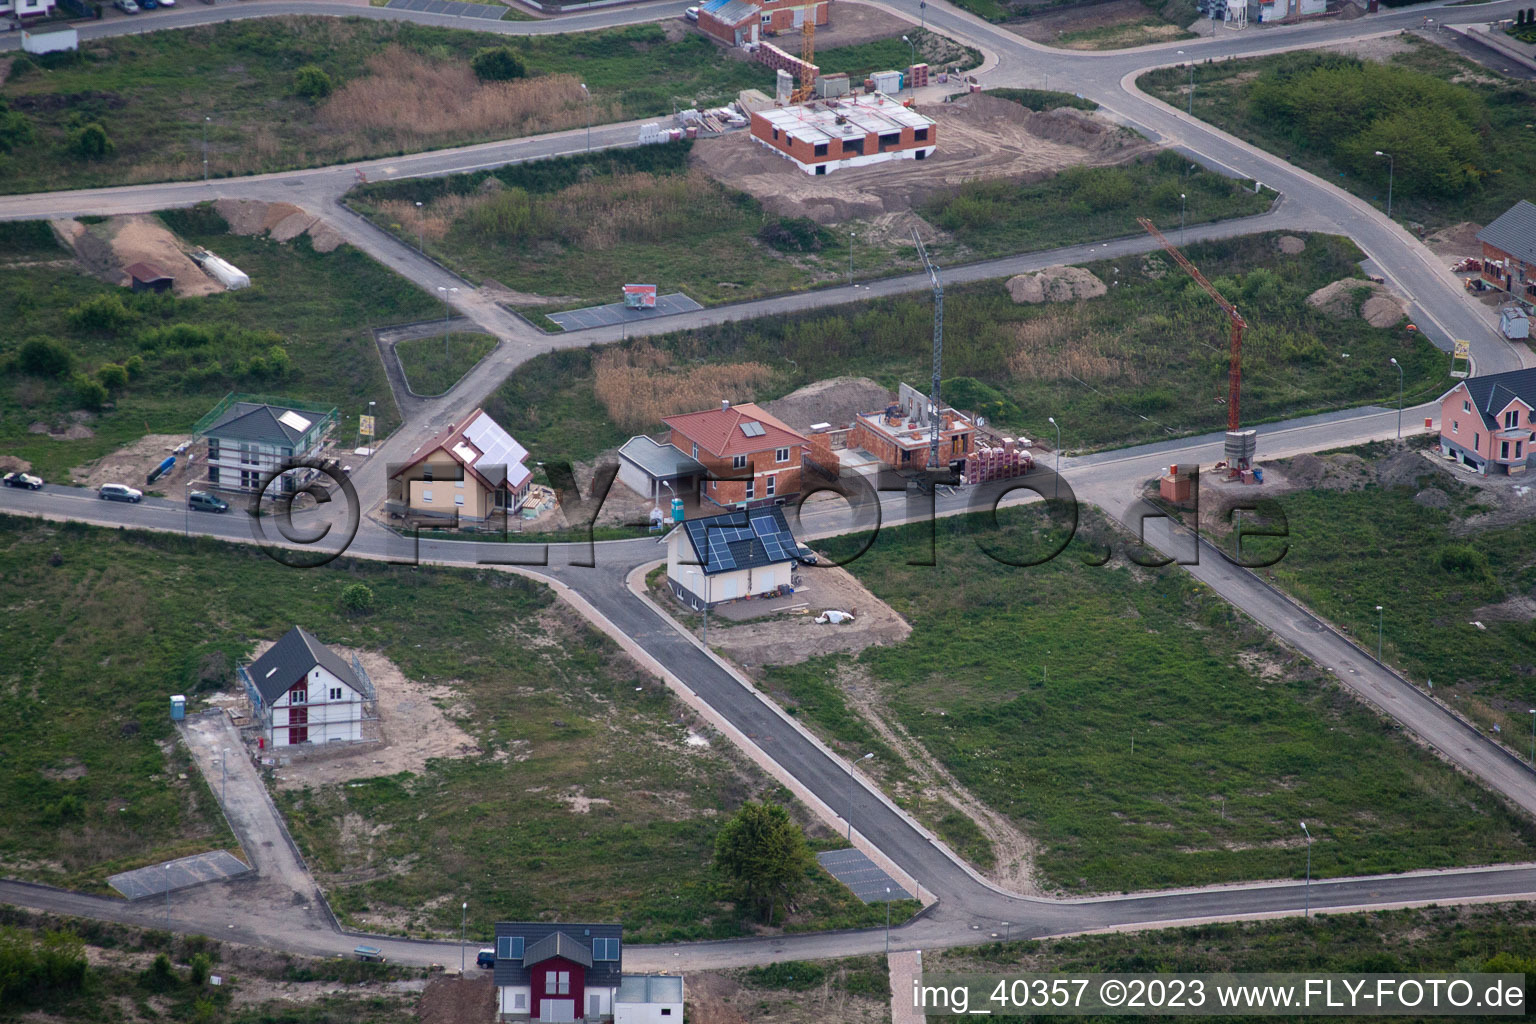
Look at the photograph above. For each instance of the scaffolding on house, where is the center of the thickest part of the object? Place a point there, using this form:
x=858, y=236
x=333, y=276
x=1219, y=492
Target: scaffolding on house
x=259, y=721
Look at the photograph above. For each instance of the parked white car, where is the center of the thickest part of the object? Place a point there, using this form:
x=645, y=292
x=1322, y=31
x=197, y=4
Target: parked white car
x=692, y=14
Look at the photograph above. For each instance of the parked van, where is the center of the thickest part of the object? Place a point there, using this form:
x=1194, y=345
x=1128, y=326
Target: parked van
x=120, y=492
x=202, y=501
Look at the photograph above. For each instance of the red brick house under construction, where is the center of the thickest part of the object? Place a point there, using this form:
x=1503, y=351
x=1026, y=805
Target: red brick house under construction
x=750, y=456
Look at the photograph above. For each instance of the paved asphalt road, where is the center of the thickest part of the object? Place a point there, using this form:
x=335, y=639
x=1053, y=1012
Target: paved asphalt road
x=968, y=908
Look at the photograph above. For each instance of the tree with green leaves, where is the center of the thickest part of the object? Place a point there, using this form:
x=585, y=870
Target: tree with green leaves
x=91, y=142
x=498, y=64
x=763, y=852
x=311, y=82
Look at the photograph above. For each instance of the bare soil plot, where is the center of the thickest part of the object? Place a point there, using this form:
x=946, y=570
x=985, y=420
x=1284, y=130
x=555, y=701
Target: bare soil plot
x=282, y=221
x=107, y=248
x=1121, y=14
x=456, y=1000
x=978, y=137
x=836, y=401
x=133, y=462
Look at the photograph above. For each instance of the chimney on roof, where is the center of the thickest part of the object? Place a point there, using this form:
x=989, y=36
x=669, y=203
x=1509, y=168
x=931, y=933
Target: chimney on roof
x=725, y=405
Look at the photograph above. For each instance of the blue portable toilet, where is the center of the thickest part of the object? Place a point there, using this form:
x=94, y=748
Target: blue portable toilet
x=178, y=708
x=1258, y=476
x=677, y=509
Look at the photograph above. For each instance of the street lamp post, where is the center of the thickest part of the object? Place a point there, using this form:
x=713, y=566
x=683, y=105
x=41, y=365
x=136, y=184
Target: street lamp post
x=1182, y=198
x=463, y=934
x=887, y=920
x=421, y=244
x=224, y=777
x=1399, y=397
x=1053, y=423
x=1533, y=737
x=1007, y=931
x=1391, y=174
x=703, y=606
x=167, y=897
x=910, y=87
x=1307, y=899
x=1378, y=632
x=588, y=93
x=446, y=292
x=205, y=147
x=850, y=258
x=922, y=12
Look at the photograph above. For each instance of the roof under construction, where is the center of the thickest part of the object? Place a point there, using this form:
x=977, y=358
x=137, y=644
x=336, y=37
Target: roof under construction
x=848, y=117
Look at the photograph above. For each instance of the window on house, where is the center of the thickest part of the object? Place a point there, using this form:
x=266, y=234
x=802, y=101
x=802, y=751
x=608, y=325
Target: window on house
x=458, y=499
x=821, y=149
x=213, y=474
x=459, y=484
x=666, y=1011
x=605, y=949
x=920, y=134
x=426, y=496
x=772, y=487
x=426, y=473
x=213, y=447
x=299, y=697
x=781, y=455
x=557, y=983
x=739, y=462
x=890, y=140
x=509, y=947
x=250, y=454
x=1477, y=441
x=1511, y=419
x=1466, y=406
x=695, y=451
x=335, y=693
x=767, y=17
x=287, y=452
x=775, y=135
x=854, y=146
x=519, y=1001
x=1504, y=449
x=751, y=489
x=1455, y=426
x=1518, y=446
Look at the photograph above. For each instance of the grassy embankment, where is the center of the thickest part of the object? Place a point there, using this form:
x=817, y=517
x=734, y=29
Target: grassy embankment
x=1138, y=730
x=434, y=365
x=1460, y=133
x=394, y=87
x=301, y=331
x=573, y=229
x=1146, y=361
x=553, y=709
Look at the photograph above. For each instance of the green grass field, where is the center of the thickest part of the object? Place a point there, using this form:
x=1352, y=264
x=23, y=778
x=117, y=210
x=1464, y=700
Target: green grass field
x=1134, y=726
x=1435, y=571
x=575, y=228
x=395, y=87
x=433, y=366
x=1146, y=361
x=554, y=708
x=1464, y=149
x=300, y=331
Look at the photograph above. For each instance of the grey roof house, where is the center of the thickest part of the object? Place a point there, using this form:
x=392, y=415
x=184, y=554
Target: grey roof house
x=658, y=470
x=302, y=692
x=250, y=441
x=1509, y=251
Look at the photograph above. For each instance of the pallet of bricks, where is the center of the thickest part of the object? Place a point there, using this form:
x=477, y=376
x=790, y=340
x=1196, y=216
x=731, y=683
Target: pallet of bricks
x=997, y=463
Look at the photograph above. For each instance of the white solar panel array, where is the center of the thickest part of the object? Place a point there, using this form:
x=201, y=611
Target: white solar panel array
x=497, y=448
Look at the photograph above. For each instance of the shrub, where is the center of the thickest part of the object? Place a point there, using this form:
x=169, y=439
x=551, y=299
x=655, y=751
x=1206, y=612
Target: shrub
x=90, y=393
x=44, y=357
x=795, y=234
x=312, y=83
x=112, y=377
x=31, y=969
x=197, y=974
x=15, y=129
x=135, y=366
x=100, y=313
x=91, y=142
x=1465, y=560
x=357, y=598
x=158, y=976
x=497, y=64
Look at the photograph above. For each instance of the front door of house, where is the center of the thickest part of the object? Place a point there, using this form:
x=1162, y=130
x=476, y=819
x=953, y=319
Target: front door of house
x=296, y=736
x=594, y=1005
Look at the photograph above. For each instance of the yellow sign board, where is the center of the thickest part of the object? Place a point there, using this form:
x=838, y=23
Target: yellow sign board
x=1463, y=351
x=1463, y=348
x=365, y=425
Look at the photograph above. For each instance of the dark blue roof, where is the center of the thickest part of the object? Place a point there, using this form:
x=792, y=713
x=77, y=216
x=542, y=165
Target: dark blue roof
x=543, y=940
x=1491, y=394
x=1514, y=231
x=748, y=539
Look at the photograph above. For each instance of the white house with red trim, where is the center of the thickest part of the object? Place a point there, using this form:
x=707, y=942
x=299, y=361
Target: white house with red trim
x=302, y=692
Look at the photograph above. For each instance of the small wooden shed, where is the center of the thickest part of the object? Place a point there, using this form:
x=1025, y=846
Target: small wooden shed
x=146, y=277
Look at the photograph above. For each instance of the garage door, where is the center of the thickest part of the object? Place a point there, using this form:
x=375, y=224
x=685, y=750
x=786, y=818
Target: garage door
x=558, y=1010
x=726, y=590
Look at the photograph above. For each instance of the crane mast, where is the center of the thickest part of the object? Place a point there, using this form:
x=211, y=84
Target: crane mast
x=938, y=350
x=1240, y=443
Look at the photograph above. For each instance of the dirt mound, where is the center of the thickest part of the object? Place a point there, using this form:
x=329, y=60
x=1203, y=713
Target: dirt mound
x=1433, y=497
x=1290, y=244
x=1334, y=473
x=836, y=401
x=283, y=221
x=14, y=464
x=106, y=248
x=131, y=463
x=1055, y=284
x=456, y=1000
x=1375, y=303
x=1456, y=241
x=978, y=137
x=1403, y=469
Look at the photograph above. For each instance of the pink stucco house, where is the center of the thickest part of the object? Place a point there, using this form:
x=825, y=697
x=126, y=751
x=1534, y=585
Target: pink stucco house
x=1486, y=422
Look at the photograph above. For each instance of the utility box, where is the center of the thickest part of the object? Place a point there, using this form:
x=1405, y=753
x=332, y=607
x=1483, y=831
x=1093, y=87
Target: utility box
x=1514, y=323
x=57, y=41
x=178, y=708
x=1173, y=486
x=888, y=82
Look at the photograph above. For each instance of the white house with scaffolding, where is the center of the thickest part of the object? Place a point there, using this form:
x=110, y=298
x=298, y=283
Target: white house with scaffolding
x=302, y=692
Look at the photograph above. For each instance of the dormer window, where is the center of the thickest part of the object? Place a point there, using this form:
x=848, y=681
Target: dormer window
x=1511, y=419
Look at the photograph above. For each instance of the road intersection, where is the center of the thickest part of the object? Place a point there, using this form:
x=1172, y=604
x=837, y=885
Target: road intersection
x=967, y=909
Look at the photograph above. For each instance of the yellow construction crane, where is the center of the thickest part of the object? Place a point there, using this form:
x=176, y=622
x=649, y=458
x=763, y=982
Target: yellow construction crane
x=807, y=59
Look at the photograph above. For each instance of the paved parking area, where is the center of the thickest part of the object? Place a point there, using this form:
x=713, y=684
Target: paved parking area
x=178, y=874
x=860, y=874
x=490, y=12
x=615, y=312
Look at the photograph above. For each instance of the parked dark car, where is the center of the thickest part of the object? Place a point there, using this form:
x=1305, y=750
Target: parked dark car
x=27, y=480
x=120, y=492
x=202, y=501
x=486, y=959
x=805, y=556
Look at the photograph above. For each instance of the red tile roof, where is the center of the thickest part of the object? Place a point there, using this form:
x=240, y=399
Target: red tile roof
x=718, y=431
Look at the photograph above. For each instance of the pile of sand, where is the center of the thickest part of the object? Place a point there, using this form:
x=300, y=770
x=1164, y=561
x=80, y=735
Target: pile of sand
x=1055, y=284
x=1290, y=244
x=105, y=248
x=282, y=221
x=836, y=401
x=1380, y=308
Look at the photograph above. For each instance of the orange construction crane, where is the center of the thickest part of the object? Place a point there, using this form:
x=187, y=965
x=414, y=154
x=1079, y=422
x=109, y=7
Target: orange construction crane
x=807, y=59
x=1235, y=370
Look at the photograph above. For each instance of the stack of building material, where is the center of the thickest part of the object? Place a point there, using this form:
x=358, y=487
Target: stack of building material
x=999, y=463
